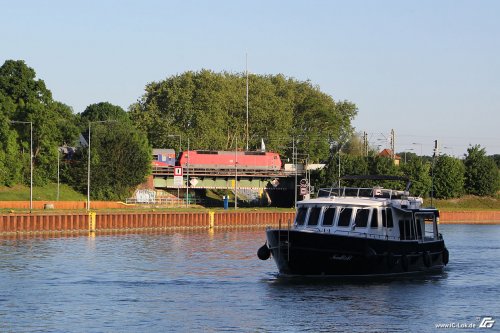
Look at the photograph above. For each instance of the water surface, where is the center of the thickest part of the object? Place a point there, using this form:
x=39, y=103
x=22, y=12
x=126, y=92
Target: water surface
x=213, y=282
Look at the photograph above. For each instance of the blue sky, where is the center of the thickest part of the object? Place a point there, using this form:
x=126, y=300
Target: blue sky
x=427, y=69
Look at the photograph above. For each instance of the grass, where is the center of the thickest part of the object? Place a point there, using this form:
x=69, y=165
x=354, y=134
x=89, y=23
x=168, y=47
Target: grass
x=468, y=202
x=49, y=193
x=40, y=193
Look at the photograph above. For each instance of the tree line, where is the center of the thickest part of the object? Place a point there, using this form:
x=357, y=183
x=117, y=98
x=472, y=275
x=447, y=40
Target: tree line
x=441, y=176
x=207, y=109
x=31, y=120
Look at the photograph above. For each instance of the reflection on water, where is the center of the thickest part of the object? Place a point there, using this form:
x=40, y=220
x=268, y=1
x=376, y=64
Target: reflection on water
x=213, y=281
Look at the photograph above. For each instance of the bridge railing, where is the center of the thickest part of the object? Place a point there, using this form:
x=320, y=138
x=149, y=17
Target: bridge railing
x=168, y=202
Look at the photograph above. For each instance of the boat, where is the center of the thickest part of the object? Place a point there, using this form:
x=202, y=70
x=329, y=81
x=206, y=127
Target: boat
x=359, y=232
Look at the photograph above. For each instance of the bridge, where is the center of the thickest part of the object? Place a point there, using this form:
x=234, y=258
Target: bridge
x=205, y=178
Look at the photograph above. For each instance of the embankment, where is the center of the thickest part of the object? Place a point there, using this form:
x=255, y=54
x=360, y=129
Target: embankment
x=123, y=220
x=129, y=221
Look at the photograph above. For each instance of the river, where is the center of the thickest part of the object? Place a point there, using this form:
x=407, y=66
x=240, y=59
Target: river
x=213, y=282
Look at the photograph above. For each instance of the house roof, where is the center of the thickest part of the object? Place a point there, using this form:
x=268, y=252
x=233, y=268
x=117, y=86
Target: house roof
x=388, y=153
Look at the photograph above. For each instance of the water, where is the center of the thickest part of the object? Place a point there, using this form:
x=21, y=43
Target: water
x=213, y=282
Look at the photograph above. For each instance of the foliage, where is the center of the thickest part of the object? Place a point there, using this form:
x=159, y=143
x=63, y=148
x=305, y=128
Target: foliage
x=448, y=177
x=120, y=154
x=358, y=165
x=496, y=159
x=481, y=173
x=418, y=171
x=209, y=109
x=26, y=99
x=103, y=111
x=355, y=145
x=10, y=163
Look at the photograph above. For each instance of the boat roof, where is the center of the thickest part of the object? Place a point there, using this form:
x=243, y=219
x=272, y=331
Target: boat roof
x=347, y=201
x=359, y=196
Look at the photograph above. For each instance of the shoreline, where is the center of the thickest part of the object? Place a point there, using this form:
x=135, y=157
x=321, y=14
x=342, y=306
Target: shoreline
x=14, y=223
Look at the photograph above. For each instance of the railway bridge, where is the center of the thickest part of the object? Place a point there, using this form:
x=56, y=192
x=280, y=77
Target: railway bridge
x=205, y=178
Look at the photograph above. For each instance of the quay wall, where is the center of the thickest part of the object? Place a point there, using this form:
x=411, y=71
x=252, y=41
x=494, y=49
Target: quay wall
x=133, y=220
x=123, y=221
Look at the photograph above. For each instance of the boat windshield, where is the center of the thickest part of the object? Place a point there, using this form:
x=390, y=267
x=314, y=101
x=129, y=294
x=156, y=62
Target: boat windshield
x=300, y=219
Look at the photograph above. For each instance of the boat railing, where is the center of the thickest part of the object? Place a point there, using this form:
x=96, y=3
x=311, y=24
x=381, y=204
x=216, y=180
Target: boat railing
x=360, y=192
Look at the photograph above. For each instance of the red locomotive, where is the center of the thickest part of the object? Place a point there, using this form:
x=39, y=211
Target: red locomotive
x=245, y=160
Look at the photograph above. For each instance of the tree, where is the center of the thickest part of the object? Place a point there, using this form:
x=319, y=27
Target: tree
x=120, y=154
x=481, y=173
x=355, y=145
x=418, y=171
x=10, y=162
x=496, y=159
x=210, y=109
x=448, y=177
x=348, y=165
x=53, y=122
x=18, y=81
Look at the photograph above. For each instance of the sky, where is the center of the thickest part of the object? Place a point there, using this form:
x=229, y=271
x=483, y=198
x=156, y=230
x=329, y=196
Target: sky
x=429, y=70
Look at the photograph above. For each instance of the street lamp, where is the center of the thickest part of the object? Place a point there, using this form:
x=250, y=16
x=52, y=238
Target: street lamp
x=31, y=158
x=88, y=166
x=450, y=148
x=187, y=177
x=409, y=149
x=418, y=143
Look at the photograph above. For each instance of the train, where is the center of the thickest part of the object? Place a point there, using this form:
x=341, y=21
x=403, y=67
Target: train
x=210, y=159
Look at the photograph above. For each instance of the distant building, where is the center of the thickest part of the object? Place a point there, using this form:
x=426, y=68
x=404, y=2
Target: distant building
x=388, y=153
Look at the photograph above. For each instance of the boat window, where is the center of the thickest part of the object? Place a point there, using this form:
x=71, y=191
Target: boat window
x=314, y=216
x=406, y=228
x=387, y=218
x=345, y=217
x=328, y=216
x=374, y=221
x=361, y=220
x=301, y=216
x=390, y=223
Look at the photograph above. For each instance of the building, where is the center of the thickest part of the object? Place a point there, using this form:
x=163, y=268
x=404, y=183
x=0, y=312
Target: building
x=389, y=153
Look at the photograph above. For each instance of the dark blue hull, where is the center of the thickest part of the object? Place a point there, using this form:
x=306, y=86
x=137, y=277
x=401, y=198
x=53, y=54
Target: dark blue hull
x=313, y=253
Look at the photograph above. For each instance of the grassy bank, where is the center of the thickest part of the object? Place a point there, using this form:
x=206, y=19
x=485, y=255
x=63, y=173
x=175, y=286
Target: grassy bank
x=468, y=202
x=42, y=193
x=49, y=193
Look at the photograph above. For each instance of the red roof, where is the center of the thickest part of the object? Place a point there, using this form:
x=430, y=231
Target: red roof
x=388, y=153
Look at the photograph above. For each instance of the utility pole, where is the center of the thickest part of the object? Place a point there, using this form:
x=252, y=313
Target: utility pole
x=31, y=158
x=434, y=156
x=246, y=70
x=294, y=160
x=365, y=144
x=393, y=154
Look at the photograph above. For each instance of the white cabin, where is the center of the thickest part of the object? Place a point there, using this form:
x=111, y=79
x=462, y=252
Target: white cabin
x=368, y=212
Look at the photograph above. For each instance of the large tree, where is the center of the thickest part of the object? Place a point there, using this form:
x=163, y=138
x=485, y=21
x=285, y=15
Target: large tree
x=448, y=177
x=210, y=109
x=481, y=172
x=28, y=100
x=120, y=154
x=418, y=171
x=10, y=162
